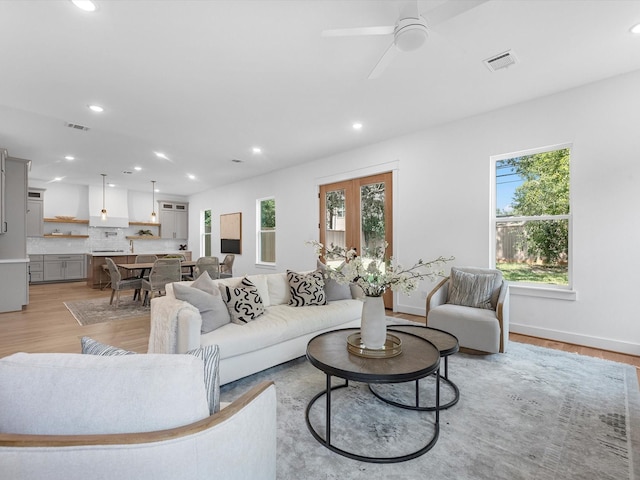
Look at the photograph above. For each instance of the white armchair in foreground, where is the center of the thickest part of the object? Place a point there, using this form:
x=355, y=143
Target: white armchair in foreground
x=147, y=414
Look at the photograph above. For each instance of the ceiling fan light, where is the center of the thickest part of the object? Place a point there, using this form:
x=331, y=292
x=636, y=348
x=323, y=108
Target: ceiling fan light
x=411, y=37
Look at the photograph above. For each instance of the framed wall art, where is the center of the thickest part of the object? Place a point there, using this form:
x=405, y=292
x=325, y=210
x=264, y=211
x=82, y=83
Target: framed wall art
x=231, y=233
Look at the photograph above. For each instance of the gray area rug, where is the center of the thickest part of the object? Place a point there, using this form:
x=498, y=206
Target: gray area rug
x=98, y=310
x=532, y=413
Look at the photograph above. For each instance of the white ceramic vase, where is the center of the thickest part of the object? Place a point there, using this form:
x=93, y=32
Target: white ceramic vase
x=373, y=326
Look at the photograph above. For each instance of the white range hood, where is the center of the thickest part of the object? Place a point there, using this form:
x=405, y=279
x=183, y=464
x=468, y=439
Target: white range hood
x=116, y=203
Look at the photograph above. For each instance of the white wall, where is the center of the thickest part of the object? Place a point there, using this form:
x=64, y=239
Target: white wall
x=443, y=208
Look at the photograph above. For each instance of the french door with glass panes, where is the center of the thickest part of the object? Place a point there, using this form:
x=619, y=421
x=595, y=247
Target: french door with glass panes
x=356, y=214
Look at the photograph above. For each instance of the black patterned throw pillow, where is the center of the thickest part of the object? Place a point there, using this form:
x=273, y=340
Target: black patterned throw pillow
x=243, y=302
x=306, y=289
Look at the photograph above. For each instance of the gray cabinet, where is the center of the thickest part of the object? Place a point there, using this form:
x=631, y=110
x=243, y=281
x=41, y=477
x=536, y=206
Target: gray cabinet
x=14, y=263
x=64, y=267
x=35, y=212
x=174, y=220
x=3, y=220
x=36, y=268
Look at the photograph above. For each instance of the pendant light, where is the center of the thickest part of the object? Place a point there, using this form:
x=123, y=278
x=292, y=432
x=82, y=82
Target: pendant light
x=154, y=218
x=103, y=213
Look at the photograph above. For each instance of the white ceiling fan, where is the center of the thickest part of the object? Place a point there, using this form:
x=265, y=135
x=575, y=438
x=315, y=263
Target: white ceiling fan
x=410, y=30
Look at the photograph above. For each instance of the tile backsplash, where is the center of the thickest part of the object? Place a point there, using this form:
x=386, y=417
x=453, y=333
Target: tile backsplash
x=102, y=239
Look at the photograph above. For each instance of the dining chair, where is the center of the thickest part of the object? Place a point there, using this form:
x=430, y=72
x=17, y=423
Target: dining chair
x=227, y=264
x=207, y=264
x=145, y=259
x=164, y=270
x=118, y=283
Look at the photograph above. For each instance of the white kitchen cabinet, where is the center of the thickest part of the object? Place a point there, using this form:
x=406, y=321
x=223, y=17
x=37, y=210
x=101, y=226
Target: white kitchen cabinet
x=174, y=220
x=35, y=212
x=64, y=267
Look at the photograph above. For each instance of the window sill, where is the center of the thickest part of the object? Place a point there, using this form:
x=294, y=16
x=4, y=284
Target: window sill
x=543, y=292
x=266, y=266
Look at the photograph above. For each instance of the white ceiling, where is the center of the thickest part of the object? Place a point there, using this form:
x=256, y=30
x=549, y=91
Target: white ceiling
x=205, y=81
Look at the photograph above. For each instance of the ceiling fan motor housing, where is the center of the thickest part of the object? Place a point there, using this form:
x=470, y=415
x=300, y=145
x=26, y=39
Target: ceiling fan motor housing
x=410, y=34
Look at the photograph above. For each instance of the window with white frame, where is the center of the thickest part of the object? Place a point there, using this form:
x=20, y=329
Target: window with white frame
x=532, y=216
x=266, y=228
x=205, y=245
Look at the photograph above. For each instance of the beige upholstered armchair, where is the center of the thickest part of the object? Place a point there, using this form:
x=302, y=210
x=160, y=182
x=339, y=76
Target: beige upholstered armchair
x=143, y=417
x=472, y=304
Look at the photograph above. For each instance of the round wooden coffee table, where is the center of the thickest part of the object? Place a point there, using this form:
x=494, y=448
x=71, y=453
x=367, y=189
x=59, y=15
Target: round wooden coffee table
x=419, y=359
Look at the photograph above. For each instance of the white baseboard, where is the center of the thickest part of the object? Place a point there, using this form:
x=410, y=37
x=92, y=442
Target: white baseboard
x=549, y=334
x=411, y=310
x=577, y=339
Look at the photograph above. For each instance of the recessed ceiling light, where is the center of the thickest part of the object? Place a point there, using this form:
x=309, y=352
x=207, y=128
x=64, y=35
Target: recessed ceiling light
x=636, y=29
x=191, y=176
x=57, y=179
x=69, y=157
x=357, y=126
x=86, y=5
x=137, y=169
x=111, y=184
x=96, y=108
x=256, y=150
x=161, y=155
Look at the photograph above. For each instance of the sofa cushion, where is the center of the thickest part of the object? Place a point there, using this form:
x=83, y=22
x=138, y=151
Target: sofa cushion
x=471, y=289
x=333, y=289
x=243, y=302
x=306, y=289
x=281, y=323
x=260, y=281
x=210, y=355
x=212, y=307
x=278, y=288
x=69, y=394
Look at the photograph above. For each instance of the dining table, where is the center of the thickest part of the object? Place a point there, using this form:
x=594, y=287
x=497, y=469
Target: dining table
x=146, y=267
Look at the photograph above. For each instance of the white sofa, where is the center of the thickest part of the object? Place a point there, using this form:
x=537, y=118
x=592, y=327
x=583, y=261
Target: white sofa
x=143, y=417
x=279, y=335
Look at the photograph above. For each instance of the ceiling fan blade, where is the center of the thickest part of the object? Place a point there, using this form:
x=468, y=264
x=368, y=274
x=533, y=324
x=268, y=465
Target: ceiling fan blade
x=347, y=32
x=384, y=62
x=408, y=9
x=450, y=9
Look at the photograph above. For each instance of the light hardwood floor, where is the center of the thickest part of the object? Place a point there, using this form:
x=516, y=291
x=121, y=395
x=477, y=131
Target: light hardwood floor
x=47, y=326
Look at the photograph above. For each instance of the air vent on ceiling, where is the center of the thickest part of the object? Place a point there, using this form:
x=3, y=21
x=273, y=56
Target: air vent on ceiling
x=75, y=126
x=236, y=160
x=503, y=60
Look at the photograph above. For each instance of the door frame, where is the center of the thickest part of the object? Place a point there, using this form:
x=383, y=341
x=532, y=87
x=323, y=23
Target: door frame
x=392, y=167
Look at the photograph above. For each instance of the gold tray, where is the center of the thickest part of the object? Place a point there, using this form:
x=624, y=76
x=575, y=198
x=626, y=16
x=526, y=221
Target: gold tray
x=391, y=348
